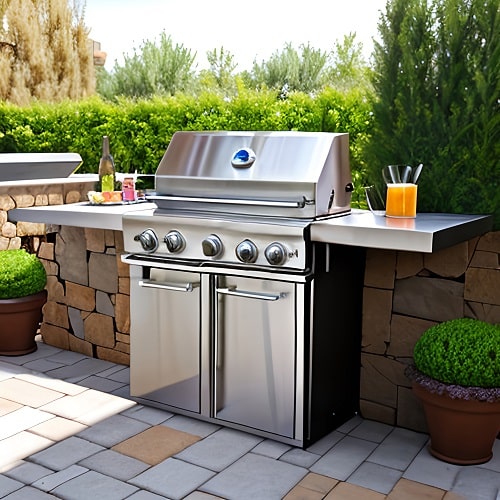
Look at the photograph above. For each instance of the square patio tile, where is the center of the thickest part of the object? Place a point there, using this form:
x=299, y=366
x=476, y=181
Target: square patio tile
x=298, y=492
x=20, y=446
x=475, y=482
x=220, y=449
x=113, y=430
x=371, y=431
x=302, y=458
x=20, y=420
x=26, y=393
x=191, y=425
x=272, y=449
x=100, y=384
x=94, y=485
x=155, y=444
x=426, y=469
x=347, y=491
x=172, y=478
x=53, y=480
x=147, y=495
x=344, y=458
x=375, y=477
x=80, y=370
x=114, y=464
x=8, y=370
x=42, y=365
x=65, y=357
x=8, y=406
x=147, y=414
x=122, y=375
x=8, y=485
x=398, y=449
x=65, y=453
x=255, y=477
x=28, y=472
x=319, y=483
x=29, y=493
x=58, y=428
x=326, y=443
x=411, y=489
x=88, y=407
x=52, y=383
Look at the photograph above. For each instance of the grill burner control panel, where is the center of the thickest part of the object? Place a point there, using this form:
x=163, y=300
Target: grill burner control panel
x=236, y=242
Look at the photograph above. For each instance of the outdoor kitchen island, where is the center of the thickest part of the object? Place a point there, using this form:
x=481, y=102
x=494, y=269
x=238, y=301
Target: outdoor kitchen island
x=386, y=398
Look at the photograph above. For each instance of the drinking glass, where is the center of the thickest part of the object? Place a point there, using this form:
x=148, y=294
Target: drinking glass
x=375, y=200
x=401, y=200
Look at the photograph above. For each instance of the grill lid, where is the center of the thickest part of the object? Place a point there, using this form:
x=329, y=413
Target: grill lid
x=292, y=174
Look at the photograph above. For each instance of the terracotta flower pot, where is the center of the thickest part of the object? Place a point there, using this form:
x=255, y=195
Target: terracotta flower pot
x=19, y=322
x=462, y=432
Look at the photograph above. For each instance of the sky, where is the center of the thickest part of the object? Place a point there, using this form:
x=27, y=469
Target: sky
x=251, y=30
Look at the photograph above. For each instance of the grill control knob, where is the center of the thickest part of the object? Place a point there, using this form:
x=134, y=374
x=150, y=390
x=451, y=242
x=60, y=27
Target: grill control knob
x=175, y=241
x=276, y=254
x=246, y=251
x=212, y=246
x=148, y=239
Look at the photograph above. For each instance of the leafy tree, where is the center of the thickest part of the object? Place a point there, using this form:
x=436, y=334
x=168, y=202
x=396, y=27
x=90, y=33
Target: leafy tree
x=290, y=70
x=222, y=66
x=160, y=68
x=44, y=51
x=347, y=68
x=436, y=78
x=219, y=78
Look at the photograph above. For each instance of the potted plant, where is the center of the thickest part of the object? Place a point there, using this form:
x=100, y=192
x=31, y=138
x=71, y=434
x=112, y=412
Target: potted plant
x=22, y=296
x=456, y=376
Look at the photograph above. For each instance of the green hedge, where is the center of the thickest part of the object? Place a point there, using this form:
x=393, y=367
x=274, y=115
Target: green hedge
x=140, y=131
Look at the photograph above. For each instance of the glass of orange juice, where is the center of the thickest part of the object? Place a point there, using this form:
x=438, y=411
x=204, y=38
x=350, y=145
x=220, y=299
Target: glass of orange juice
x=401, y=200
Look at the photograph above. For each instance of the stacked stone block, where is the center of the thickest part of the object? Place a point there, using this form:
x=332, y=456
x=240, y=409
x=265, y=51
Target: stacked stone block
x=21, y=195
x=404, y=294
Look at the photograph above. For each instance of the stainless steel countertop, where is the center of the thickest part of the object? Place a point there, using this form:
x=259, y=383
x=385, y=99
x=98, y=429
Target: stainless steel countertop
x=79, y=214
x=426, y=233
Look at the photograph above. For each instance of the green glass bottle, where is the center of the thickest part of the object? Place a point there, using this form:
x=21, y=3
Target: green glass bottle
x=106, y=167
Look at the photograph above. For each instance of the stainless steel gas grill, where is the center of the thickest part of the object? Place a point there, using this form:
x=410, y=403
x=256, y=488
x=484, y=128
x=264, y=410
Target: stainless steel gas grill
x=236, y=316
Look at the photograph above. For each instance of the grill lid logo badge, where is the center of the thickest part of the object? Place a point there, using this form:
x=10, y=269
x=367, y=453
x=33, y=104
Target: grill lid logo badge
x=243, y=158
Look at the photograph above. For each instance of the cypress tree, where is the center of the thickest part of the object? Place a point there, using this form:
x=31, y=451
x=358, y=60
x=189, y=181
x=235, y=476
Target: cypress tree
x=436, y=78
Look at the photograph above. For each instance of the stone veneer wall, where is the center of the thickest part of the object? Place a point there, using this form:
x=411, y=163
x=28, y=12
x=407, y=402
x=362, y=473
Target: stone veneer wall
x=404, y=294
x=88, y=293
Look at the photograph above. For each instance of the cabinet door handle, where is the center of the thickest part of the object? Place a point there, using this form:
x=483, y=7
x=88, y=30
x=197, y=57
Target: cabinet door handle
x=250, y=295
x=176, y=287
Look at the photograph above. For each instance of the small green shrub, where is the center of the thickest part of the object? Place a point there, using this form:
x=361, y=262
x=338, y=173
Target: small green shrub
x=462, y=351
x=21, y=274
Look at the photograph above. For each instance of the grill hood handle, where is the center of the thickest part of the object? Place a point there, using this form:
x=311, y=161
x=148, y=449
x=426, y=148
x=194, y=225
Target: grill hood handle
x=234, y=201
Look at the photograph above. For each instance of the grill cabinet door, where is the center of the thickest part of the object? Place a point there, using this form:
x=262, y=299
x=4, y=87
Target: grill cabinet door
x=255, y=354
x=165, y=337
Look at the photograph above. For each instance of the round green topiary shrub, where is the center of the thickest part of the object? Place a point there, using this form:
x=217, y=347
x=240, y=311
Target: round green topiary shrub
x=21, y=274
x=462, y=351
